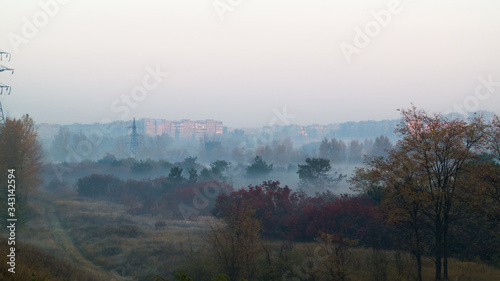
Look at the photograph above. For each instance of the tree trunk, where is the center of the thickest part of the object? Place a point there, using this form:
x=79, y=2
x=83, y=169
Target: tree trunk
x=437, y=263
x=419, y=266
x=418, y=248
x=445, y=249
x=438, y=250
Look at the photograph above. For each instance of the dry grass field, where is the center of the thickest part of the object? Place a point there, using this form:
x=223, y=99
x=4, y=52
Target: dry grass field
x=68, y=237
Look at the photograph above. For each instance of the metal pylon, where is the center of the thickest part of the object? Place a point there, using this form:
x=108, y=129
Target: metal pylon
x=134, y=141
x=4, y=89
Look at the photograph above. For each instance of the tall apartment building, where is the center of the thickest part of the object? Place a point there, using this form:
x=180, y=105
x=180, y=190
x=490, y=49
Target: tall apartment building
x=182, y=129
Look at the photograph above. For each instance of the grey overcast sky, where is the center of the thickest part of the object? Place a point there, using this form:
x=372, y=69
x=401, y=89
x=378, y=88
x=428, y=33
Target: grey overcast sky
x=248, y=62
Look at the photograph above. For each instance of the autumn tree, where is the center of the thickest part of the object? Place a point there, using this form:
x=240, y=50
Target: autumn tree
x=440, y=148
x=403, y=200
x=20, y=150
x=235, y=244
x=494, y=137
x=477, y=233
x=483, y=192
x=491, y=174
x=426, y=171
x=337, y=255
x=483, y=175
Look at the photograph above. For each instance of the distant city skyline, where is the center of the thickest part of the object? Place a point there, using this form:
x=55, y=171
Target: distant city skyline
x=198, y=129
x=488, y=115
x=251, y=64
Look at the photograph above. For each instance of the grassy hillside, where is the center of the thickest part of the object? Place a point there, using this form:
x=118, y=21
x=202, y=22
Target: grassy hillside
x=71, y=238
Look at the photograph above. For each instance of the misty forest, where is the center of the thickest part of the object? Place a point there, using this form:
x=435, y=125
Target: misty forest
x=420, y=204
x=233, y=140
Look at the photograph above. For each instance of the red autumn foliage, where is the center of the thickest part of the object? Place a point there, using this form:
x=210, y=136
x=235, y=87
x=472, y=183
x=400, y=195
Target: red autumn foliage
x=293, y=215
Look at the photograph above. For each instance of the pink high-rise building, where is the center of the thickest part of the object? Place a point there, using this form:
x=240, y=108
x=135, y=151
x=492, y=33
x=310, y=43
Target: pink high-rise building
x=183, y=129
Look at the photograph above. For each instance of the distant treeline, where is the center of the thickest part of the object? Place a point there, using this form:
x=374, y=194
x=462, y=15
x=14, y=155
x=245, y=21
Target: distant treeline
x=277, y=149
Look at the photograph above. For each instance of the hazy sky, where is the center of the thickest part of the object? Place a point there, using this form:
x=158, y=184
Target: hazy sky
x=249, y=63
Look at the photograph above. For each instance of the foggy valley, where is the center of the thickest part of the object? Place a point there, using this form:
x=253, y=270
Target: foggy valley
x=231, y=140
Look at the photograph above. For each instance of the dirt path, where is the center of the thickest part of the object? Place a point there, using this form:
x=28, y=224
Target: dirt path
x=65, y=242
x=62, y=238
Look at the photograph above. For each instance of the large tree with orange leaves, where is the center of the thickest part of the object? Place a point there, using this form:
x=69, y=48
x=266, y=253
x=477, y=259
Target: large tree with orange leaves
x=20, y=150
